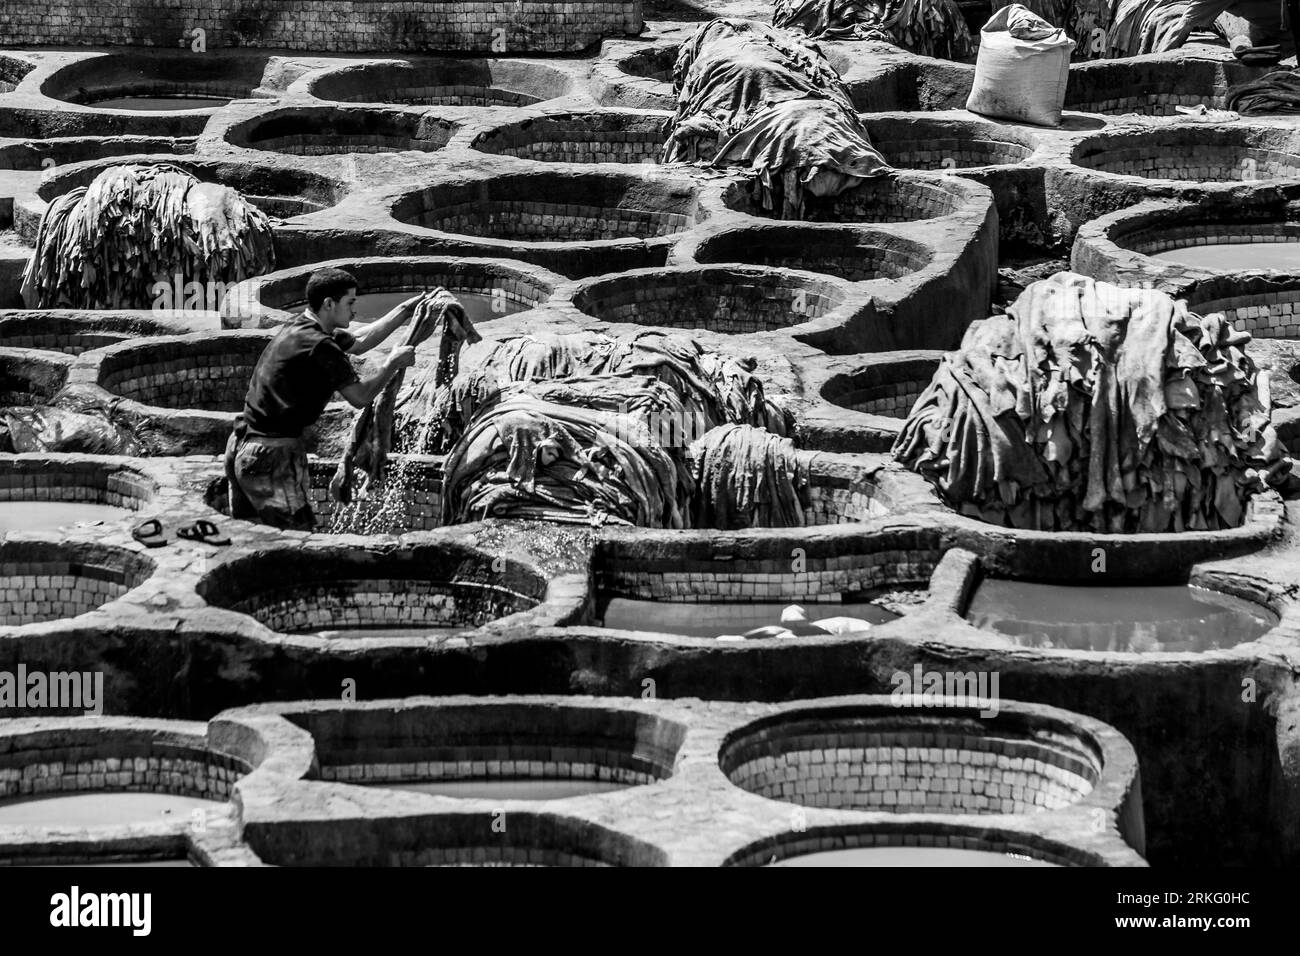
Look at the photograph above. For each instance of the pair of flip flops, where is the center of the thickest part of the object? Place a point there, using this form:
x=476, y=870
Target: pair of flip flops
x=150, y=533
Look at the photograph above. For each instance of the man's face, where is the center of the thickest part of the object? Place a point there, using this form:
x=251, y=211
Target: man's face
x=340, y=312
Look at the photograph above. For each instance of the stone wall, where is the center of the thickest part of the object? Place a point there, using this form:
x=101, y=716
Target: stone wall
x=370, y=26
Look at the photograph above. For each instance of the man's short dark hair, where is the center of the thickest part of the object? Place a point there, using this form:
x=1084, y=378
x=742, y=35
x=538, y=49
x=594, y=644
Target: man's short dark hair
x=328, y=284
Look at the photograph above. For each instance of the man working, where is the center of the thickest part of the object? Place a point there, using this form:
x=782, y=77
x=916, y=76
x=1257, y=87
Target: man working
x=300, y=370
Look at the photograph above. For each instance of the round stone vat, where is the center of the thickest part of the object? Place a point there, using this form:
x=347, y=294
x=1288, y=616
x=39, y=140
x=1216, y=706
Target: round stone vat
x=327, y=130
x=452, y=839
x=600, y=137
x=951, y=760
x=727, y=299
x=656, y=582
x=90, y=773
x=40, y=492
x=12, y=70
x=1168, y=618
x=443, y=82
x=206, y=371
x=114, y=80
x=1194, y=153
x=917, y=84
x=353, y=592
x=488, y=289
x=635, y=75
x=41, y=154
x=71, y=335
x=879, y=199
x=43, y=581
x=1151, y=86
x=888, y=388
x=30, y=377
x=852, y=254
x=927, y=143
x=412, y=503
x=551, y=207
x=916, y=845
x=493, y=750
x=1263, y=305
x=280, y=191
x=654, y=63
x=1221, y=246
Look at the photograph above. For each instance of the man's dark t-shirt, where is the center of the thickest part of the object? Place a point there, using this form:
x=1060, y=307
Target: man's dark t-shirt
x=300, y=370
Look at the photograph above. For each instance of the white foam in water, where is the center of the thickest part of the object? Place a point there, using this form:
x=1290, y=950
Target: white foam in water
x=48, y=515
x=910, y=856
x=98, y=809
x=1236, y=256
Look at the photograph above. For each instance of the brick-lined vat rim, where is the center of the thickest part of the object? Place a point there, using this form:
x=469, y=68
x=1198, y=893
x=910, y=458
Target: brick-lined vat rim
x=679, y=195
x=245, y=307
x=27, y=734
x=1100, y=248
x=1178, y=136
x=1065, y=556
x=29, y=154
x=92, y=367
x=602, y=119
x=1112, y=758
x=838, y=382
x=64, y=465
x=411, y=124
x=886, y=129
x=283, y=843
x=1226, y=72
x=326, y=558
x=119, y=73
x=839, y=293
x=43, y=373
x=344, y=737
x=245, y=176
x=1272, y=605
x=965, y=197
x=19, y=327
x=954, y=834
x=37, y=549
x=702, y=248
x=546, y=82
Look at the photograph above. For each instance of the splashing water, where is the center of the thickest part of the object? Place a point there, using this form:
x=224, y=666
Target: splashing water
x=386, y=506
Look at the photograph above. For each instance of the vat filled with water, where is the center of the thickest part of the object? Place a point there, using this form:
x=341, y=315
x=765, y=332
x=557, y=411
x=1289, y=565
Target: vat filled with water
x=479, y=306
x=97, y=809
x=908, y=856
x=162, y=104
x=1138, y=619
x=1236, y=256
x=521, y=788
x=49, y=515
x=724, y=617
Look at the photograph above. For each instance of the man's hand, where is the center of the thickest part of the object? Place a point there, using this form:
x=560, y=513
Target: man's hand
x=407, y=308
x=401, y=357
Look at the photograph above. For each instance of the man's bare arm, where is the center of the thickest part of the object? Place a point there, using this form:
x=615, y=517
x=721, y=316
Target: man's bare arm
x=374, y=333
x=362, y=393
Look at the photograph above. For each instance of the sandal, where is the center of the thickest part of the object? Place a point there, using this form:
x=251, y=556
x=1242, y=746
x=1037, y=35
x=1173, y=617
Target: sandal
x=149, y=533
x=205, y=531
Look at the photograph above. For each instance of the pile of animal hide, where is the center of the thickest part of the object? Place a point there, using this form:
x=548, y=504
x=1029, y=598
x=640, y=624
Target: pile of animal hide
x=1089, y=407
x=746, y=477
x=928, y=27
x=711, y=389
x=564, y=451
x=371, y=441
x=1087, y=22
x=751, y=95
x=1276, y=92
x=526, y=458
x=107, y=245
